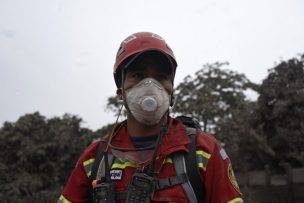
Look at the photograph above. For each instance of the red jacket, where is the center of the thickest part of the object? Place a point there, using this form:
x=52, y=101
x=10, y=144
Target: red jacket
x=214, y=164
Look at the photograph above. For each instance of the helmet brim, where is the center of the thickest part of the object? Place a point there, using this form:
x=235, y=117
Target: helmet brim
x=131, y=59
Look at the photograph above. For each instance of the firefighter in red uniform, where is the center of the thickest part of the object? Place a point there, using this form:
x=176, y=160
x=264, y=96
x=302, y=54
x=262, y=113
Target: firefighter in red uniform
x=138, y=162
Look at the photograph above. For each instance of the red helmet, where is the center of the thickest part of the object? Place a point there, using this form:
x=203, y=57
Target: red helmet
x=139, y=43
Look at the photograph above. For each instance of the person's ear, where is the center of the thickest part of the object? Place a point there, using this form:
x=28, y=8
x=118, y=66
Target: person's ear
x=119, y=93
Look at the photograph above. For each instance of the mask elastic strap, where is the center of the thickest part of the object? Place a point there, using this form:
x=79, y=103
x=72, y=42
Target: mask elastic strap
x=122, y=81
x=151, y=169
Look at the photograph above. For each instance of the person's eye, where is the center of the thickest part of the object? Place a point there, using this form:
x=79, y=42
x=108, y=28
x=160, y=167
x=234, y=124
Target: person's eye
x=137, y=75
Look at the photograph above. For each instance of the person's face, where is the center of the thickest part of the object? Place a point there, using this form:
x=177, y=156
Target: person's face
x=145, y=66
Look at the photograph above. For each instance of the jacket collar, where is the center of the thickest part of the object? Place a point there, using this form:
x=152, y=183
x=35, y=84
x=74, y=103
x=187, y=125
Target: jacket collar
x=175, y=139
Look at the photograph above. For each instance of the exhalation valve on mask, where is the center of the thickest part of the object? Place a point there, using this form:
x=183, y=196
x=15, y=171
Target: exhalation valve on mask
x=149, y=104
x=148, y=101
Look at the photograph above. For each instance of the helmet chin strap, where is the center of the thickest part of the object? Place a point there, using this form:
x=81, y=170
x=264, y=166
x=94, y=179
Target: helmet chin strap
x=122, y=82
x=163, y=129
x=119, y=93
x=172, y=100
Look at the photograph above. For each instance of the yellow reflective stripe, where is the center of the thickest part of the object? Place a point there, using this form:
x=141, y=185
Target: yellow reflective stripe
x=87, y=165
x=168, y=160
x=124, y=165
x=204, y=154
x=202, y=159
x=201, y=165
x=88, y=173
x=87, y=162
x=236, y=200
x=62, y=199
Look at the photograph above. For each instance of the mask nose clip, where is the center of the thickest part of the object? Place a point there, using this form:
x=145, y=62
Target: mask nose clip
x=150, y=82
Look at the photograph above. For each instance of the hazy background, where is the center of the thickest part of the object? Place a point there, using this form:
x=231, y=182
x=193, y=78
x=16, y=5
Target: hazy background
x=57, y=56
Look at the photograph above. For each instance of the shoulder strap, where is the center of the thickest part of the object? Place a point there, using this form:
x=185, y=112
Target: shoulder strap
x=98, y=168
x=180, y=168
x=192, y=126
x=194, y=175
x=98, y=157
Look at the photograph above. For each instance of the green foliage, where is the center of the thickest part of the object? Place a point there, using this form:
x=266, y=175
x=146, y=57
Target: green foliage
x=38, y=154
x=281, y=111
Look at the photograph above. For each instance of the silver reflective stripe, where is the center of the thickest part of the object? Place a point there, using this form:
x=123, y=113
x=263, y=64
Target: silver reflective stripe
x=190, y=131
x=223, y=154
x=180, y=168
x=101, y=167
x=101, y=170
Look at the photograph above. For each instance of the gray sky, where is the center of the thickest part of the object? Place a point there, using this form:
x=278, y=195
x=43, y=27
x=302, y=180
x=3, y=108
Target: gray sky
x=56, y=56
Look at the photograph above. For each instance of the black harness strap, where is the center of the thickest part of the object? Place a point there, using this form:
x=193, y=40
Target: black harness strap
x=196, y=179
x=172, y=181
x=193, y=172
x=94, y=169
x=98, y=159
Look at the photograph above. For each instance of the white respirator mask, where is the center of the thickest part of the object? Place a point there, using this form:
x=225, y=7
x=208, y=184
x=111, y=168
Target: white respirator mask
x=148, y=101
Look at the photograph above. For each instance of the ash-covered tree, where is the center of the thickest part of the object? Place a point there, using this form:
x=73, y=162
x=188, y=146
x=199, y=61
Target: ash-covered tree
x=216, y=96
x=114, y=104
x=246, y=146
x=281, y=111
x=211, y=94
x=38, y=155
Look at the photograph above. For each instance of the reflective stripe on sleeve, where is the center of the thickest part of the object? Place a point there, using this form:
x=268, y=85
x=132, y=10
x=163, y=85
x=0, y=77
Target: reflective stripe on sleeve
x=236, y=200
x=202, y=159
x=168, y=160
x=62, y=199
x=87, y=165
